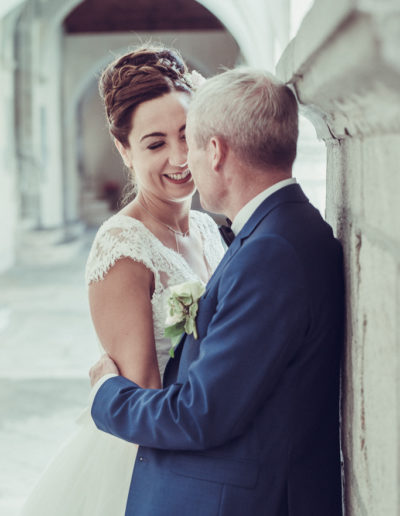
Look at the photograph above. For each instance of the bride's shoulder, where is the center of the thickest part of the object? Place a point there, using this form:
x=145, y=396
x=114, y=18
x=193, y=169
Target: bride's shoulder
x=119, y=224
x=118, y=237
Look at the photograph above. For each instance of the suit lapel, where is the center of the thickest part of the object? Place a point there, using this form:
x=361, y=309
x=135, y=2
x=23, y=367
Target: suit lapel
x=288, y=194
x=291, y=193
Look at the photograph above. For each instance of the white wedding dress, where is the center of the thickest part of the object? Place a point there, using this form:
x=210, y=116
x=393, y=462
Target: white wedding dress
x=91, y=474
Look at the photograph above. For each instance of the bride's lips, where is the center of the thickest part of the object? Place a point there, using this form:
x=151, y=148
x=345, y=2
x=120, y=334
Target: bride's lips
x=180, y=178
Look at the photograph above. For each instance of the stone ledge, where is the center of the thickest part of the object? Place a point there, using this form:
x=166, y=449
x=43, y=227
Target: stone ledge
x=362, y=95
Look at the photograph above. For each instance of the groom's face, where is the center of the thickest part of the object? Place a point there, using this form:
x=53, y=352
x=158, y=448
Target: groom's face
x=200, y=168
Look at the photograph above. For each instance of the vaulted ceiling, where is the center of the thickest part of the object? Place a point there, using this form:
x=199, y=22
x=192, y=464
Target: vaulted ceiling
x=139, y=15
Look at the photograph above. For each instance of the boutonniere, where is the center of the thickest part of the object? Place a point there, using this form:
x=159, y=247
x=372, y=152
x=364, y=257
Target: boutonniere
x=182, y=311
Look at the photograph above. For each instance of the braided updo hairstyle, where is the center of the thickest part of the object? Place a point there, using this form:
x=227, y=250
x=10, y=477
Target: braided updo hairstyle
x=143, y=74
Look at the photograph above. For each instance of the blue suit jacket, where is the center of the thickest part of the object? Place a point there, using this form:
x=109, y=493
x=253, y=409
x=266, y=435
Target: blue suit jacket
x=248, y=420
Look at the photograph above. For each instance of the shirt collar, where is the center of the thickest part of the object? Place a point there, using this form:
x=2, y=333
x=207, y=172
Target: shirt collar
x=248, y=209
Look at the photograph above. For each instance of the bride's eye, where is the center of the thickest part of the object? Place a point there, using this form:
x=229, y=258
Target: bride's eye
x=155, y=145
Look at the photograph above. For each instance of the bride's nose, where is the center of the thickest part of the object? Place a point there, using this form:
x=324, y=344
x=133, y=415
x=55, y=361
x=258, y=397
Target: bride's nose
x=178, y=156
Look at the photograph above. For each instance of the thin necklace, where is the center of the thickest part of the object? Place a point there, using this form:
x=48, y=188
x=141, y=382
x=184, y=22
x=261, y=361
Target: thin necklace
x=174, y=231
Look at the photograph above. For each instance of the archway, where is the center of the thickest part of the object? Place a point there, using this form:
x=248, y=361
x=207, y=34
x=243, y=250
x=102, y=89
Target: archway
x=86, y=52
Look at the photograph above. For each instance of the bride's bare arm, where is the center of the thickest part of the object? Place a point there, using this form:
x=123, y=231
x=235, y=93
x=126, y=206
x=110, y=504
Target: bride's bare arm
x=121, y=310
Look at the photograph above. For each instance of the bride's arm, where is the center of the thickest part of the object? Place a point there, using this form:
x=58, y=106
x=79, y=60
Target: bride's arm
x=120, y=306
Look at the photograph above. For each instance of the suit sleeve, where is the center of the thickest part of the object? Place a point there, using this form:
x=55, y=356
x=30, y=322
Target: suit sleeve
x=260, y=322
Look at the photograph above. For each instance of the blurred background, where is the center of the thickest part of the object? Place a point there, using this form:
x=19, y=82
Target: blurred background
x=61, y=177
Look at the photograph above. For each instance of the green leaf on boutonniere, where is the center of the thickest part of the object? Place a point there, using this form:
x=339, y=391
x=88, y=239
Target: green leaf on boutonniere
x=174, y=342
x=174, y=330
x=193, y=310
x=174, y=333
x=189, y=325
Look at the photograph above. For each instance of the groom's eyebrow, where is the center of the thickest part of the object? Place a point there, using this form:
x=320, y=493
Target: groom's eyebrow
x=160, y=134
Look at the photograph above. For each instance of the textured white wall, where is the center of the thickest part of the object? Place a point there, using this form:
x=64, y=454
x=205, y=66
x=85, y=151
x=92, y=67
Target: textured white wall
x=363, y=200
x=346, y=69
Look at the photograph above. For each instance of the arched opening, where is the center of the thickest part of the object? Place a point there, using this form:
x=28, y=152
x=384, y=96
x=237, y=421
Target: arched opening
x=92, y=37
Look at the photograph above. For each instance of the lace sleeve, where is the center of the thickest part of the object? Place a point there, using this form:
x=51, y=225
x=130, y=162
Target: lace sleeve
x=118, y=238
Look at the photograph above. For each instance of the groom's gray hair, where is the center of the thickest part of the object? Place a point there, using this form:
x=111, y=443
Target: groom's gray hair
x=252, y=111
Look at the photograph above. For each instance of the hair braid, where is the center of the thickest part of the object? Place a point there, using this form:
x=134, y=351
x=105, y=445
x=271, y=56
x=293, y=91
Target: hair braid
x=141, y=75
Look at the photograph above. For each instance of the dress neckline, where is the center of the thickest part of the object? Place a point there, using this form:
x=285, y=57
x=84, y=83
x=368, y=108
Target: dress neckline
x=169, y=249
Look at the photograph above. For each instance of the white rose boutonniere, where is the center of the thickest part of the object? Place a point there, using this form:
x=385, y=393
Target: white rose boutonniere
x=182, y=311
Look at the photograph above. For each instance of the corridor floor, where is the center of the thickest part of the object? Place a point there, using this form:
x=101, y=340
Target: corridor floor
x=47, y=345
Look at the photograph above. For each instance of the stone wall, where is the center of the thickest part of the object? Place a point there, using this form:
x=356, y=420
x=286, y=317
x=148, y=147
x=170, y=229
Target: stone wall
x=344, y=64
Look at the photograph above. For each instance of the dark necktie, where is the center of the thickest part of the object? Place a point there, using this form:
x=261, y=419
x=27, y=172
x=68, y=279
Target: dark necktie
x=227, y=234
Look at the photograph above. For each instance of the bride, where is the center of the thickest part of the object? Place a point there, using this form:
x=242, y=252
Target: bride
x=154, y=242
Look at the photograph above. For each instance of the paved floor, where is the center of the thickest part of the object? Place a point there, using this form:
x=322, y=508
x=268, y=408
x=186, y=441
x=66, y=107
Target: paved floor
x=47, y=345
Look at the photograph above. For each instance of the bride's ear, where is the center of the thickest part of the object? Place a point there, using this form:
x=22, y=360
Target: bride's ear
x=123, y=152
x=218, y=151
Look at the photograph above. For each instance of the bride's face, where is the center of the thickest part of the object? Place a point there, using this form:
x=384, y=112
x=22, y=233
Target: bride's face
x=157, y=149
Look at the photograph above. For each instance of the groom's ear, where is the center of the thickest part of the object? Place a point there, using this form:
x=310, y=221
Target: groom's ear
x=218, y=151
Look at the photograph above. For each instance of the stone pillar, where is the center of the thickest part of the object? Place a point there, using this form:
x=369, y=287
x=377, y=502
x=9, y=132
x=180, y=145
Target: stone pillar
x=48, y=109
x=251, y=24
x=27, y=159
x=38, y=108
x=8, y=168
x=345, y=66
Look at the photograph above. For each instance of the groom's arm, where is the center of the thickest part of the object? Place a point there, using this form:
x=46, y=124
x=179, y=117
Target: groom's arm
x=261, y=318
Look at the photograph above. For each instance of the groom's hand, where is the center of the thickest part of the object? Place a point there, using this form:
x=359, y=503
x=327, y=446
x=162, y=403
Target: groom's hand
x=102, y=367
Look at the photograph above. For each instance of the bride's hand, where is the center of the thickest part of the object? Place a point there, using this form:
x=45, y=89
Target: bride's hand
x=102, y=367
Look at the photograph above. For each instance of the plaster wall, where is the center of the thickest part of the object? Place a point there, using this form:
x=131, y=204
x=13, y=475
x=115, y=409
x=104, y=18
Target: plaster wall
x=348, y=78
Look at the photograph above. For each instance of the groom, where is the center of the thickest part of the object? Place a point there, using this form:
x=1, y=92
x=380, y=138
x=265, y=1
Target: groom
x=247, y=423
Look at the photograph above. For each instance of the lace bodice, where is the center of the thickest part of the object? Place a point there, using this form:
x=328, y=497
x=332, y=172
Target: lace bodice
x=122, y=236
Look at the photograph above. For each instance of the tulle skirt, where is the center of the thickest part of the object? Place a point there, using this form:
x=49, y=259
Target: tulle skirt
x=90, y=476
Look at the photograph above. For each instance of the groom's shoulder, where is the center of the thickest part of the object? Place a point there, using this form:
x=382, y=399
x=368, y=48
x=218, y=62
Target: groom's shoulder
x=262, y=247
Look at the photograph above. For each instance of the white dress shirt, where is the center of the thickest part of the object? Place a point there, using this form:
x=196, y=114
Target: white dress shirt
x=248, y=209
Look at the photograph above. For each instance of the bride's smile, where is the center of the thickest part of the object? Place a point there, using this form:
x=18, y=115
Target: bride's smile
x=157, y=150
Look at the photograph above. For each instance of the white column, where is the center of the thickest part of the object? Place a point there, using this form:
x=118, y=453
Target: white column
x=250, y=23
x=8, y=169
x=49, y=123
x=345, y=66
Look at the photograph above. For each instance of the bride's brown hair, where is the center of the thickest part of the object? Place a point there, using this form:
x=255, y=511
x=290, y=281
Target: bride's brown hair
x=143, y=74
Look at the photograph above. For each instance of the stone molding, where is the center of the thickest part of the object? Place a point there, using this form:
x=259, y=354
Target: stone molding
x=362, y=95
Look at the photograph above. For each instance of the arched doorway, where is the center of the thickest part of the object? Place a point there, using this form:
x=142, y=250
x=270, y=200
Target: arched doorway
x=90, y=42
